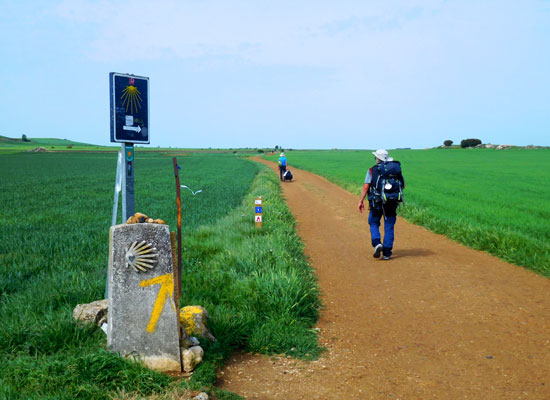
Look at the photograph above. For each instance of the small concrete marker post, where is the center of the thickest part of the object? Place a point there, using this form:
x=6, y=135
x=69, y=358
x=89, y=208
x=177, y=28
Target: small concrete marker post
x=143, y=317
x=258, y=212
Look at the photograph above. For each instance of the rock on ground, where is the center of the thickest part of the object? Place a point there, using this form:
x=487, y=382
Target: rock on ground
x=193, y=319
x=95, y=312
x=192, y=357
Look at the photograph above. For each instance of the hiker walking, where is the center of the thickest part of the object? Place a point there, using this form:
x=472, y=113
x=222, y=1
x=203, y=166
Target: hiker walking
x=282, y=166
x=384, y=186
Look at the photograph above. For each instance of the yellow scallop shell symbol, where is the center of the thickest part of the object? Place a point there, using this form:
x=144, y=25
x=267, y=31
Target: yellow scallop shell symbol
x=141, y=256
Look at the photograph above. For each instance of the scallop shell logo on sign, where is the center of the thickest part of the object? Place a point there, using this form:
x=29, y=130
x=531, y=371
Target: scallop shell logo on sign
x=141, y=256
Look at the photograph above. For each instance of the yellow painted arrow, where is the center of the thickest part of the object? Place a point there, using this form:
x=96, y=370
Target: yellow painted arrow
x=166, y=283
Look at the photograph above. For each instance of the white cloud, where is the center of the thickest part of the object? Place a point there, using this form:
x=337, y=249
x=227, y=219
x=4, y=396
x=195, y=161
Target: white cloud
x=310, y=33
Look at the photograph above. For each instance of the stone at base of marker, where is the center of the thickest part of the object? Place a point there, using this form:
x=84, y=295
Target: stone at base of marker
x=194, y=322
x=95, y=312
x=161, y=363
x=192, y=357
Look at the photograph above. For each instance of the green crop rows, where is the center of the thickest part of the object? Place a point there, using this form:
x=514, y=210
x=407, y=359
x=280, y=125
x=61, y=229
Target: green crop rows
x=496, y=201
x=56, y=213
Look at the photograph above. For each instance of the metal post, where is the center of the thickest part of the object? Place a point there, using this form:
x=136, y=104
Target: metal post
x=118, y=188
x=128, y=181
x=178, y=203
x=179, y=266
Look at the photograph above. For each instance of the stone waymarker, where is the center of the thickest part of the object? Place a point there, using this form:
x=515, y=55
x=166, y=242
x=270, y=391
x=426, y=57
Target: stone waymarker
x=143, y=318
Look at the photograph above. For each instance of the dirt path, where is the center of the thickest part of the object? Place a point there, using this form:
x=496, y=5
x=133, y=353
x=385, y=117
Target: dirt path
x=439, y=321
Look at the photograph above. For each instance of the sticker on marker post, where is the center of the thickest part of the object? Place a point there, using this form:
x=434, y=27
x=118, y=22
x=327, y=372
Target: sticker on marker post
x=258, y=218
x=258, y=210
x=258, y=201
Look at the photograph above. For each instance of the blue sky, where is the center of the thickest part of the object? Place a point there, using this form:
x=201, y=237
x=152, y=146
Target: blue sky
x=298, y=74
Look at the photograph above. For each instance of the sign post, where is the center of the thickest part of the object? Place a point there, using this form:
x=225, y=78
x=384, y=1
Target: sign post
x=258, y=212
x=129, y=96
x=127, y=181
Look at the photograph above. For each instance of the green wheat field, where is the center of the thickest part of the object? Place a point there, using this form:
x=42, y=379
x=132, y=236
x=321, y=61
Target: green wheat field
x=259, y=290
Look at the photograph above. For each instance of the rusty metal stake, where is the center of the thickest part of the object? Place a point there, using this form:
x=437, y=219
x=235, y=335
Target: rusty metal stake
x=179, y=266
x=178, y=202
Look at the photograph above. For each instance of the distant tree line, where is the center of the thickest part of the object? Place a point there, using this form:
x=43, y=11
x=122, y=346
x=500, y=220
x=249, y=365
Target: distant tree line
x=469, y=143
x=463, y=143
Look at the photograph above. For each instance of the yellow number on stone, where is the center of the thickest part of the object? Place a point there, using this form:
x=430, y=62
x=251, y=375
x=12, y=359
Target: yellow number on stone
x=166, y=283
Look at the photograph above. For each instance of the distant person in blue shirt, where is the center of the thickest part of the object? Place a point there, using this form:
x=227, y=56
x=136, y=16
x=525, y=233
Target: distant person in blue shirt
x=282, y=166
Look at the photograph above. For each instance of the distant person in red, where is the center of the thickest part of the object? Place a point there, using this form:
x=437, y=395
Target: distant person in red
x=384, y=186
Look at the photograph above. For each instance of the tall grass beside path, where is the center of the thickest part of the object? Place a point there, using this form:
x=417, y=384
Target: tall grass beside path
x=490, y=200
x=260, y=292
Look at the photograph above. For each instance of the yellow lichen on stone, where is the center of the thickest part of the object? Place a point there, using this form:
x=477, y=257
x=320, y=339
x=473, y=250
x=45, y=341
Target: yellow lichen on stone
x=194, y=320
x=187, y=318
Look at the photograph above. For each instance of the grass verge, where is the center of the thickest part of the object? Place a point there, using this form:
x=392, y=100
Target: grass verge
x=261, y=294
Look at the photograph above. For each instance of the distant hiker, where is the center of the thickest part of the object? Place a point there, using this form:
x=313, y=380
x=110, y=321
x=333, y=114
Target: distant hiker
x=287, y=176
x=282, y=166
x=384, y=185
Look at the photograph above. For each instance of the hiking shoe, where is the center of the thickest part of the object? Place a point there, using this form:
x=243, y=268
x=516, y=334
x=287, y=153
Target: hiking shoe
x=377, y=250
x=386, y=258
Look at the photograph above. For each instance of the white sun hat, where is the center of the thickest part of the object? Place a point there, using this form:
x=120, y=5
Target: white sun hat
x=282, y=154
x=382, y=155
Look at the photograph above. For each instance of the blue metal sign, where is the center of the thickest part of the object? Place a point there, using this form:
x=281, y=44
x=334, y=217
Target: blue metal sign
x=129, y=108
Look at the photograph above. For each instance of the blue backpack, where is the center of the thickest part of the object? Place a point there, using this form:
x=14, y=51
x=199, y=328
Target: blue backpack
x=388, y=187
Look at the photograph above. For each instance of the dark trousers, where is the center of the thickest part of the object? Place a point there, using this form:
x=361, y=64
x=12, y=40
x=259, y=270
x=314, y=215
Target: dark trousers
x=282, y=170
x=389, y=212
